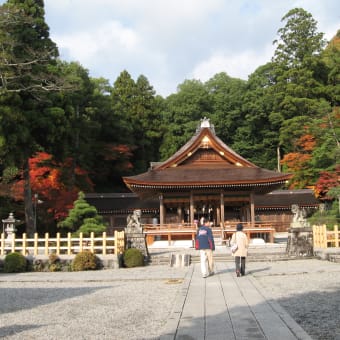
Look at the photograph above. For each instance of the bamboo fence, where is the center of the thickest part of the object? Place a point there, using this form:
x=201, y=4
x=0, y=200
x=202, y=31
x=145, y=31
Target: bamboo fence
x=323, y=238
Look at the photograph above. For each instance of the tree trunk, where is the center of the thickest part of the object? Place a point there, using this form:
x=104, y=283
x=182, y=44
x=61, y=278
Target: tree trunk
x=278, y=159
x=29, y=218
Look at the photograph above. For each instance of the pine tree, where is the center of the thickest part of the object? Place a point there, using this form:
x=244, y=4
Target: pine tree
x=83, y=218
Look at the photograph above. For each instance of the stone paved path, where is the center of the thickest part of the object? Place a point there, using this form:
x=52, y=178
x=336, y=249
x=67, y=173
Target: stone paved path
x=223, y=306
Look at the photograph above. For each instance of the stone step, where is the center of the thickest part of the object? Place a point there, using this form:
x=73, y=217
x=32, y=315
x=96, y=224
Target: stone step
x=334, y=258
x=180, y=257
x=188, y=259
x=250, y=258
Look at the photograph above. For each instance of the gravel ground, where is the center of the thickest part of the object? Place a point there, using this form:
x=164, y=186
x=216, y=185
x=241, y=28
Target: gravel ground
x=135, y=303
x=309, y=290
x=108, y=304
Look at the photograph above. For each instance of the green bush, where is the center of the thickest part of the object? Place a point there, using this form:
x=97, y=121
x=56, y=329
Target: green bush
x=15, y=263
x=85, y=261
x=133, y=257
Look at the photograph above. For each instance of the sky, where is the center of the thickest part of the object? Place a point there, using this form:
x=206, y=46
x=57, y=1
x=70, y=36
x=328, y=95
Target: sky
x=169, y=41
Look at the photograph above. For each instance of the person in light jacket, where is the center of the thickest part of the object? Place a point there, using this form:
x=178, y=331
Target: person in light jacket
x=241, y=239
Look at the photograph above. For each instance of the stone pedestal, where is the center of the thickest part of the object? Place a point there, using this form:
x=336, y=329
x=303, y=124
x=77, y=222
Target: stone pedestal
x=137, y=240
x=134, y=236
x=300, y=241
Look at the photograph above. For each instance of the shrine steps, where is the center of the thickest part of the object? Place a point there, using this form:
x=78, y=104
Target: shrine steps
x=184, y=256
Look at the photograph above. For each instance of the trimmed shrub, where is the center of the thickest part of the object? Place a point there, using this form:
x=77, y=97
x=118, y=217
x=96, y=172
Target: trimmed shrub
x=133, y=257
x=85, y=261
x=15, y=263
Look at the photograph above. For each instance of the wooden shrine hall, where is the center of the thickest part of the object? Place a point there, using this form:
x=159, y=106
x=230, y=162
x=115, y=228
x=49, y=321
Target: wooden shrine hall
x=205, y=178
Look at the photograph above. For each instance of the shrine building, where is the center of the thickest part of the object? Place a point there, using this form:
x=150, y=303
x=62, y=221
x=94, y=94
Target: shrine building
x=206, y=178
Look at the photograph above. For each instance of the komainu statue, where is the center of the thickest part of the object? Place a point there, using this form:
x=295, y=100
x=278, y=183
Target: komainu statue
x=134, y=223
x=299, y=218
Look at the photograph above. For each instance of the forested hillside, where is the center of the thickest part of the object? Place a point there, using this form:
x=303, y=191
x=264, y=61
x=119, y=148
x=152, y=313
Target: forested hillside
x=62, y=131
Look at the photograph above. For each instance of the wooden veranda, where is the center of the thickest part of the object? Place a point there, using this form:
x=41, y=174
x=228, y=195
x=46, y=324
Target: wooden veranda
x=187, y=231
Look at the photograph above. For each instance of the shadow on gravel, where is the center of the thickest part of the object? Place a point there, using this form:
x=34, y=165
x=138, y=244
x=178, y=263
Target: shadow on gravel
x=252, y=271
x=16, y=299
x=16, y=329
x=318, y=313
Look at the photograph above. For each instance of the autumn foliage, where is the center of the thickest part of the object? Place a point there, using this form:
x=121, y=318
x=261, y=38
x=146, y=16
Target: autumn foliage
x=326, y=181
x=56, y=184
x=299, y=162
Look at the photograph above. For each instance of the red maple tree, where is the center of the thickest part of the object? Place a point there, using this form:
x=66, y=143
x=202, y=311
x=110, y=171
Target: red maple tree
x=299, y=162
x=327, y=181
x=51, y=185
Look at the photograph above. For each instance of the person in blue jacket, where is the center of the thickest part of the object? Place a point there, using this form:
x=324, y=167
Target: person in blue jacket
x=206, y=245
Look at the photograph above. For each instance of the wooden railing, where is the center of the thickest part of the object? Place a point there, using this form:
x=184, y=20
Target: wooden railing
x=278, y=226
x=63, y=245
x=266, y=233
x=188, y=231
x=169, y=231
x=323, y=238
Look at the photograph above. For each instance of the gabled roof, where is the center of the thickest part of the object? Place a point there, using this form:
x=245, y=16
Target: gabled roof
x=206, y=162
x=207, y=140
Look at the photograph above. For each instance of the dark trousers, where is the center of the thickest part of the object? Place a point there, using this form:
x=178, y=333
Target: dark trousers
x=240, y=263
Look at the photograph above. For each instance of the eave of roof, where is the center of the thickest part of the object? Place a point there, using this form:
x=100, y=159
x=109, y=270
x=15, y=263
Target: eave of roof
x=120, y=203
x=206, y=177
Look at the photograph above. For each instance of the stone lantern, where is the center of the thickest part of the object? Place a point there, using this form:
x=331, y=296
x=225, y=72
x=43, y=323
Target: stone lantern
x=8, y=225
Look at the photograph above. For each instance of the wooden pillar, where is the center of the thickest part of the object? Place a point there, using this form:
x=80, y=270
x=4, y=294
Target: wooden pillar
x=252, y=209
x=222, y=209
x=218, y=216
x=179, y=214
x=191, y=207
x=161, y=210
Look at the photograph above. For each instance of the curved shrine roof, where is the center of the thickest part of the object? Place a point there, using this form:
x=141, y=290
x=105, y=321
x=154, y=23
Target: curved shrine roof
x=206, y=176
x=206, y=162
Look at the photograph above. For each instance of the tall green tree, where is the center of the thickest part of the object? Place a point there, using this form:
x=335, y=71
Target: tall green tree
x=123, y=95
x=299, y=78
x=331, y=57
x=27, y=65
x=299, y=71
x=111, y=152
x=183, y=110
x=139, y=122
x=147, y=126
x=256, y=137
x=26, y=49
x=226, y=95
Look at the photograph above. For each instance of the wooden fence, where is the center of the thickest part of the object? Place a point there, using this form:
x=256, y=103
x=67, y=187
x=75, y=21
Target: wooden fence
x=323, y=238
x=63, y=245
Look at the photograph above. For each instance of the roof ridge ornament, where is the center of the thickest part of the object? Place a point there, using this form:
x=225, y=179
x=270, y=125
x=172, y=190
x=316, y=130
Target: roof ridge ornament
x=205, y=123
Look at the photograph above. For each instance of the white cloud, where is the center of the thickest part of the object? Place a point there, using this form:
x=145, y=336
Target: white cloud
x=239, y=65
x=169, y=41
x=86, y=46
